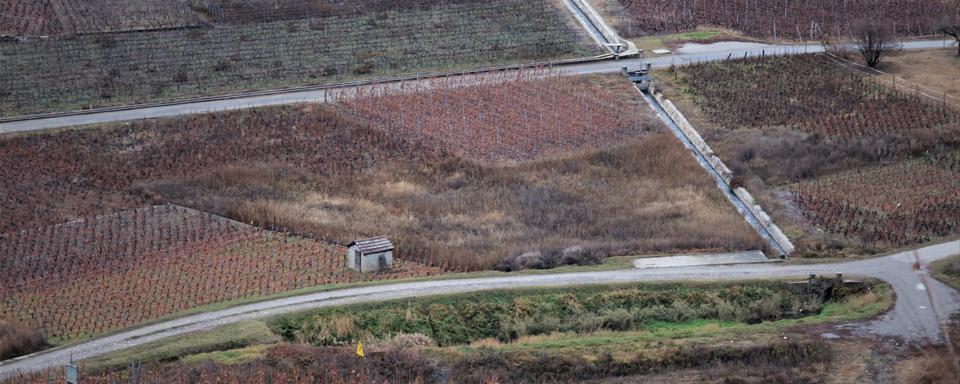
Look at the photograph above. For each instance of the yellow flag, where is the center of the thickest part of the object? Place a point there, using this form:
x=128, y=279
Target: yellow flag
x=360, y=349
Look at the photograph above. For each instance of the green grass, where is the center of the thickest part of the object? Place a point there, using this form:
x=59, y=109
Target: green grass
x=227, y=337
x=704, y=330
x=649, y=43
x=230, y=356
x=510, y=315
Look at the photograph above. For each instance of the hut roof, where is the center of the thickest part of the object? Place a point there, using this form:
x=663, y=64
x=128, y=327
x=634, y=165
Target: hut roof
x=373, y=245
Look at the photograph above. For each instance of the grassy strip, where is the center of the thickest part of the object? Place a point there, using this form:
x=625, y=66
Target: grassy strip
x=228, y=337
x=853, y=308
x=672, y=41
x=947, y=270
x=511, y=315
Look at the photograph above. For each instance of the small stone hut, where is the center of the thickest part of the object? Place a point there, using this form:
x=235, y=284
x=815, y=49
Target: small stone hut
x=370, y=255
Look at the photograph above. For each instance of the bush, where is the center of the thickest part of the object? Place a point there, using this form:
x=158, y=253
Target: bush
x=18, y=340
x=409, y=341
x=552, y=258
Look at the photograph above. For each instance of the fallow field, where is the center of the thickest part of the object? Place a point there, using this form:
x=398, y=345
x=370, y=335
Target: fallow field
x=215, y=47
x=572, y=170
x=846, y=161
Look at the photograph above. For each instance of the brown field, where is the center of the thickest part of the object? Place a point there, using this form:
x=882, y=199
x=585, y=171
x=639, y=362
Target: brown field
x=936, y=72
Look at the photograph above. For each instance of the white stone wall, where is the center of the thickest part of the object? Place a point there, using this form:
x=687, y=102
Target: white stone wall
x=725, y=173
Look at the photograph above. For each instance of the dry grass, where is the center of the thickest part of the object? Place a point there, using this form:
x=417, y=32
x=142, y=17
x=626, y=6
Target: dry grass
x=936, y=70
x=17, y=339
x=644, y=196
x=932, y=364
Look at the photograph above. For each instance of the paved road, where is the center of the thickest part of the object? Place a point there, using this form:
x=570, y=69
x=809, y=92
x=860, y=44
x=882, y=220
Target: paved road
x=695, y=53
x=911, y=319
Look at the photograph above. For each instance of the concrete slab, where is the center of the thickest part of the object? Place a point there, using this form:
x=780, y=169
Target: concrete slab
x=697, y=48
x=661, y=51
x=749, y=257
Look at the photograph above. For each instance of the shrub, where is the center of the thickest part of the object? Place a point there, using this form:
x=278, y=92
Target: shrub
x=17, y=340
x=409, y=341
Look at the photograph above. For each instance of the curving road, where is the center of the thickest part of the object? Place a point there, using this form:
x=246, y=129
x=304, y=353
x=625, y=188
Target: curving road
x=911, y=319
x=688, y=54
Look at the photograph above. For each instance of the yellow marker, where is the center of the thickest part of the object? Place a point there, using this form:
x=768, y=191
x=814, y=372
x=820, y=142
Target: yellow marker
x=360, y=349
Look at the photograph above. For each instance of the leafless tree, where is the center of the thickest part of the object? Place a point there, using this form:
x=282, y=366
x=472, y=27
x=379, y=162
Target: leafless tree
x=873, y=39
x=950, y=26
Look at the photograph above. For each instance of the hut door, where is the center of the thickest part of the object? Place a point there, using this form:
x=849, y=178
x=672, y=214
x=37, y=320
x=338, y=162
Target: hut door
x=358, y=260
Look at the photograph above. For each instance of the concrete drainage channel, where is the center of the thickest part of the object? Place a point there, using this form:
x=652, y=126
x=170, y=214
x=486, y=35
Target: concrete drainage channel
x=739, y=197
x=599, y=31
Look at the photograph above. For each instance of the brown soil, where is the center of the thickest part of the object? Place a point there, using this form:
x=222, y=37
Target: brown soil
x=936, y=71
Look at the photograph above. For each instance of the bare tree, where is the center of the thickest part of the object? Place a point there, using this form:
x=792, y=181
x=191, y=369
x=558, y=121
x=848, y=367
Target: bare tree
x=950, y=26
x=873, y=39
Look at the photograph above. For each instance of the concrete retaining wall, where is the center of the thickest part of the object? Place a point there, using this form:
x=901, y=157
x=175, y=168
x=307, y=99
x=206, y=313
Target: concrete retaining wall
x=725, y=173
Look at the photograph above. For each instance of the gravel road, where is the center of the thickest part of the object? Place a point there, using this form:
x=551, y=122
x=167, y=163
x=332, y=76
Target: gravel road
x=912, y=318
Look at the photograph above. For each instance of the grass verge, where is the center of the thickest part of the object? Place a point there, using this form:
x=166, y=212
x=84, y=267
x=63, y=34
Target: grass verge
x=947, y=270
x=232, y=340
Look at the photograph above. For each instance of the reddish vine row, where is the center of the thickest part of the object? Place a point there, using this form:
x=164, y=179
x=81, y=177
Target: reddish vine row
x=898, y=204
x=501, y=117
x=106, y=273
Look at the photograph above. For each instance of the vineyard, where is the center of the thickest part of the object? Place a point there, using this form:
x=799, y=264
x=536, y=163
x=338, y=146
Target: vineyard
x=503, y=117
x=811, y=95
x=899, y=204
x=69, y=17
x=790, y=19
x=108, y=69
x=109, y=272
x=861, y=160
